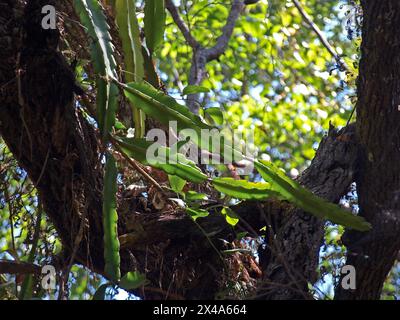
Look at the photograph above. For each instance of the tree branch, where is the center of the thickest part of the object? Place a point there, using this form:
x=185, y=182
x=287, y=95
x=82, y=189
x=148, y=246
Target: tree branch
x=203, y=55
x=181, y=25
x=294, y=237
x=223, y=40
x=321, y=37
x=15, y=267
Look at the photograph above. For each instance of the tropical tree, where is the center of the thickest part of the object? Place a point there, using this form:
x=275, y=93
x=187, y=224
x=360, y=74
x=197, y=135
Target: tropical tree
x=199, y=150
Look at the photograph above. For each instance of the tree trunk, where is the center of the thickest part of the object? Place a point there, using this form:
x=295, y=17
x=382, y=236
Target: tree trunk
x=291, y=257
x=378, y=129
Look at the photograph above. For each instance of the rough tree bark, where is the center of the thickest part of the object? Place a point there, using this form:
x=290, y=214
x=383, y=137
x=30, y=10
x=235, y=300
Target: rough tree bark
x=61, y=152
x=290, y=260
x=378, y=131
x=46, y=134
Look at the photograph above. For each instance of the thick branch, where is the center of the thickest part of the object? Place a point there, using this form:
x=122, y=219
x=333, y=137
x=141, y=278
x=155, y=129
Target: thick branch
x=14, y=267
x=49, y=138
x=223, y=40
x=181, y=24
x=294, y=237
x=203, y=55
x=378, y=129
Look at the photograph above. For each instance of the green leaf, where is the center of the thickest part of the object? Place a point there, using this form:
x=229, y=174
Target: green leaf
x=150, y=70
x=162, y=158
x=193, y=196
x=176, y=183
x=154, y=23
x=230, y=216
x=100, y=293
x=134, y=64
x=216, y=115
x=180, y=144
x=135, y=148
x=119, y=125
x=292, y=191
x=129, y=32
x=191, y=89
x=110, y=221
x=242, y=189
x=197, y=213
x=132, y=280
x=162, y=107
x=241, y=235
x=93, y=19
x=165, y=109
x=181, y=166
